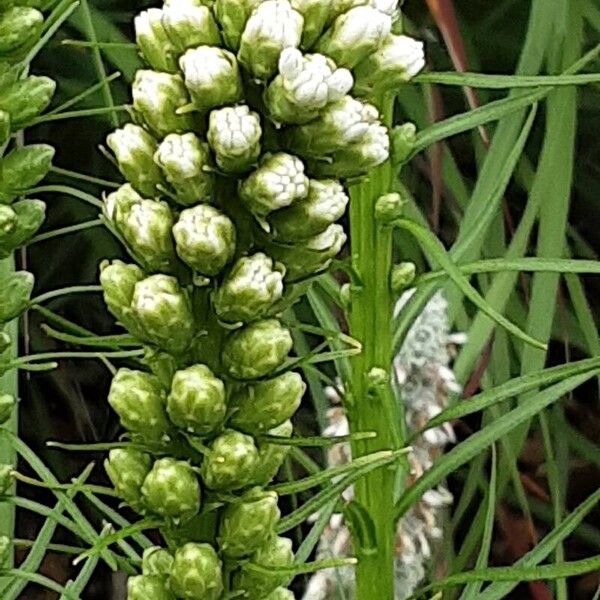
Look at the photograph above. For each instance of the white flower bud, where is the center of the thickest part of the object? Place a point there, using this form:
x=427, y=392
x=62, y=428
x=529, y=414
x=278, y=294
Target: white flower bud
x=278, y=182
x=325, y=204
x=341, y=123
x=355, y=35
x=205, y=239
x=183, y=159
x=189, y=25
x=305, y=85
x=134, y=149
x=398, y=60
x=153, y=41
x=212, y=77
x=273, y=26
x=359, y=158
x=156, y=99
x=234, y=135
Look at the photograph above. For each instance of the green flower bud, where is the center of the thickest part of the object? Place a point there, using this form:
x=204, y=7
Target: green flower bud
x=354, y=35
x=5, y=550
x=153, y=41
x=196, y=402
x=157, y=98
x=15, y=292
x=134, y=149
x=273, y=26
x=185, y=160
x=197, y=573
x=325, y=204
x=28, y=217
x=190, y=24
x=304, y=86
x=249, y=290
x=256, y=349
x=234, y=135
x=146, y=226
x=403, y=274
x=7, y=478
x=148, y=587
x=212, y=77
x=405, y=137
x=389, y=208
x=280, y=594
x=7, y=405
x=278, y=182
x=163, y=312
x=22, y=169
x=271, y=456
x=204, y=239
x=26, y=99
x=156, y=561
x=171, y=490
x=397, y=61
x=118, y=284
x=249, y=523
x=267, y=404
x=343, y=122
x=231, y=461
x=316, y=15
x=4, y=127
x=139, y=400
x=127, y=468
x=312, y=255
x=276, y=552
x=232, y=16
x=358, y=158
x=20, y=29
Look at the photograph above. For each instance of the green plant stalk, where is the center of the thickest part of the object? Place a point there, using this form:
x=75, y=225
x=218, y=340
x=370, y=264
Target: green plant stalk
x=8, y=385
x=373, y=409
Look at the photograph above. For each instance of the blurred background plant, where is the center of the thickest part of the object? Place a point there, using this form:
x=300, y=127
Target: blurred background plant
x=534, y=173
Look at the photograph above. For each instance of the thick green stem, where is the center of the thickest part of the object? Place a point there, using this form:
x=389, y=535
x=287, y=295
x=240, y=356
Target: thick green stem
x=8, y=385
x=373, y=407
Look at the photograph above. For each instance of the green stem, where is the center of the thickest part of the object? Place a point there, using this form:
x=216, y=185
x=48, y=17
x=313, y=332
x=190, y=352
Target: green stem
x=371, y=409
x=8, y=385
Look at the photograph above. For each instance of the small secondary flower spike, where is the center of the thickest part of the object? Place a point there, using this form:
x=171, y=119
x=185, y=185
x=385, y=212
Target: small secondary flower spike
x=245, y=134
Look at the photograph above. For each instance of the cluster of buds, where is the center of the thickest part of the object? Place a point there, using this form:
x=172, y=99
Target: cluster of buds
x=22, y=99
x=423, y=382
x=244, y=133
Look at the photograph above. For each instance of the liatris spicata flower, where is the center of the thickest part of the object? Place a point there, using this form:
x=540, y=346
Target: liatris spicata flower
x=246, y=130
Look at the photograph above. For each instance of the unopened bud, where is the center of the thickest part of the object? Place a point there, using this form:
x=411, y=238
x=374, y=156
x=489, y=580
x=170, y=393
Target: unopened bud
x=212, y=77
x=146, y=587
x=26, y=99
x=156, y=561
x=171, y=490
x=134, y=149
x=197, y=572
x=7, y=405
x=153, y=41
x=354, y=35
x=249, y=290
x=185, y=162
x=260, y=407
x=196, y=402
x=234, y=135
x=316, y=14
x=389, y=208
x=157, y=98
x=273, y=26
x=249, y=523
x=204, y=239
x=278, y=182
x=127, y=468
x=272, y=456
x=15, y=292
x=403, y=275
x=256, y=349
x=26, y=218
x=23, y=168
x=404, y=138
x=233, y=16
x=20, y=29
x=189, y=24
